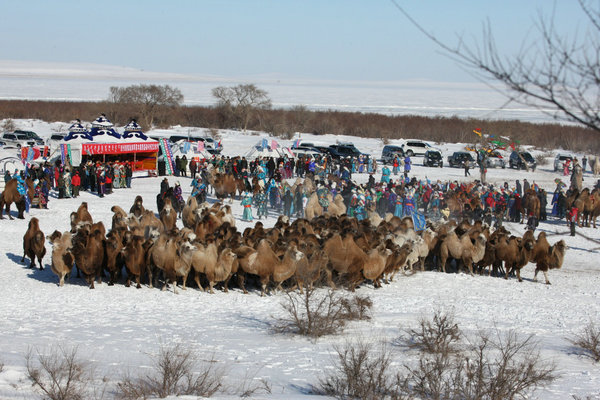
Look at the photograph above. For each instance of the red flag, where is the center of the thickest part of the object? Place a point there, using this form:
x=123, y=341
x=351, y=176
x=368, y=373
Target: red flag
x=512, y=145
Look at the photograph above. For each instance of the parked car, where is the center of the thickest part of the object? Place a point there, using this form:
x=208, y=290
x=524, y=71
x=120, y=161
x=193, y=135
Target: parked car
x=521, y=159
x=433, y=158
x=305, y=152
x=17, y=140
x=459, y=158
x=31, y=135
x=389, y=152
x=416, y=147
x=338, y=151
x=495, y=160
x=561, y=159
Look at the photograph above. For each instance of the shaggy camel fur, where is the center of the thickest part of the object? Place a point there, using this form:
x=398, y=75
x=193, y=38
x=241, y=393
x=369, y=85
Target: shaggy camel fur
x=88, y=250
x=309, y=269
x=33, y=243
x=80, y=216
x=374, y=265
x=11, y=195
x=135, y=261
x=269, y=267
x=119, y=218
x=221, y=270
x=462, y=249
x=114, y=256
x=313, y=208
x=553, y=259
x=168, y=216
x=188, y=215
x=137, y=208
x=62, y=258
x=515, y=253
x=172, y=257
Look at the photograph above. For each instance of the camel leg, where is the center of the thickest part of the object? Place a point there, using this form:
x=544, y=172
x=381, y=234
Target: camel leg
x=61, y=281
x=519, y=275
x=535, y=275
x=40, y=262
x=546, y=276
x=184, y=281
x=241, y=282
x=197, y=279
x=211, y=284
x=137, y=281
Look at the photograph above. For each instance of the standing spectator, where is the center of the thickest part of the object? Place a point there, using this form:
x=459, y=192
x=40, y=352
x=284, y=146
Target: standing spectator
x=128, y=174
x=287, y=203
x=584, y=163
x=572, y=219
x=385, y=174
x=526, y=185
x=298, y=206
x=519, y=189
x=184, y=164
x=75, y=183
x=177, y=164
x=466, y=167
x=193, y=168
x=407, y=166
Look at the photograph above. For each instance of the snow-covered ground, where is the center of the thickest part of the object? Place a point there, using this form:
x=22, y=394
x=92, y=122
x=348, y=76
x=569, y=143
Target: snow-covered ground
x=117, y=327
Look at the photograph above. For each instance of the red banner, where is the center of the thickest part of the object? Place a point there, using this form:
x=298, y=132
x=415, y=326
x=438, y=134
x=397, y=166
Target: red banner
x=118, y=148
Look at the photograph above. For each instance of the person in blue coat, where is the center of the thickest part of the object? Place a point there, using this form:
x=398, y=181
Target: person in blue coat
x=407, y=166
x=385, y=174
x=247, y=203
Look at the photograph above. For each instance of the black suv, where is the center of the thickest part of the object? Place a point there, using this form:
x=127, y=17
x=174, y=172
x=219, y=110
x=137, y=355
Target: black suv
x=458, y=158
x=521, y=159
x=338, y=151
x=389, y=152
x=433, y=158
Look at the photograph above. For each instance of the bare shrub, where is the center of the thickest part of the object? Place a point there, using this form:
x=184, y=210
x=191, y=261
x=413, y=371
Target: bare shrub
x=541, y=159
x=59, y=374
x=176, y=372
x=252, y=385
x=588, y=397
x=588, y=341
x=486, y=368
x=214, y=133
x=8, y=125
x=438, y=335
x=361, y=371
x=316, y=313
x=505, y=367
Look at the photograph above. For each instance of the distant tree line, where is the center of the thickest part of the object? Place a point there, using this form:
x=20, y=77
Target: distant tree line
x=285, y=123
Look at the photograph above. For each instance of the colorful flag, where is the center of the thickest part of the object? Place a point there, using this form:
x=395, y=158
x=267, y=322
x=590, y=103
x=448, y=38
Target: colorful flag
x=167, y=154
x=200, y=146
x=477, y=131
x=274, y=145
x=296, y=144
x=264, y=144
x=419, y=221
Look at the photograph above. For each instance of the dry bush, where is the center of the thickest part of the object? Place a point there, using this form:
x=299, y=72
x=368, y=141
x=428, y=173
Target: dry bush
x=361, y=371
x=541, y=159
x=487, y=368
x=588, y=341
x=588, y=397
x=176, y=372
x=60, y=374
x=8, y=125
x=252, y=385
x=317, y=313
x=438, y=335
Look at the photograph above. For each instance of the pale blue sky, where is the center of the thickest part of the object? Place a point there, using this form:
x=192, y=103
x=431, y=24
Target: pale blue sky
x=319, y=39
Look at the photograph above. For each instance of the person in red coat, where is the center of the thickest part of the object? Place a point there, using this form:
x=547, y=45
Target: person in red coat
x=75, y=183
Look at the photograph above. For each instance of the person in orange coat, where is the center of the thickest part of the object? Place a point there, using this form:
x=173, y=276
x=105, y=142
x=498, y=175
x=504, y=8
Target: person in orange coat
x=75, y=183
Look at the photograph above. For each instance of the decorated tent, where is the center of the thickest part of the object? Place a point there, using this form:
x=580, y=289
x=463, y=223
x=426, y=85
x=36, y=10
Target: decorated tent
x=103, y=143
x=266, y=148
